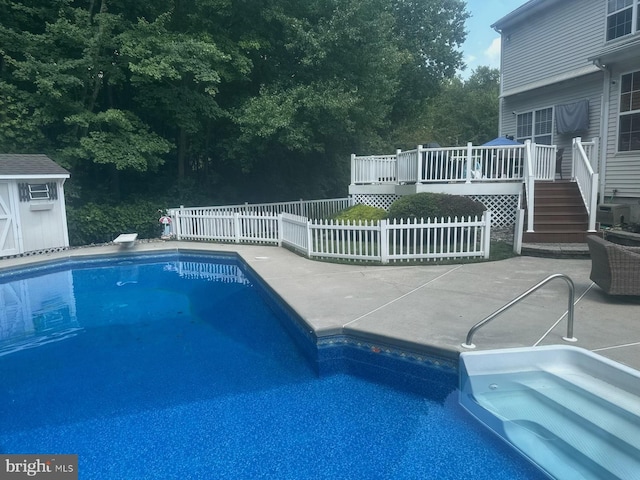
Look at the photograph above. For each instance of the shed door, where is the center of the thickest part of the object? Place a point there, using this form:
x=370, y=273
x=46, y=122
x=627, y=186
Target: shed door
x=8, y=224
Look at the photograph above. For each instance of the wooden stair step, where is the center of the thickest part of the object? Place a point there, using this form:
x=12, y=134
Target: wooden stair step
x=560, y=215
x=562, y=209
x=560, y=236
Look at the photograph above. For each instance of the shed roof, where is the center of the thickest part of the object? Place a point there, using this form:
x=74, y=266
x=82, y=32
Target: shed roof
x=29, y=166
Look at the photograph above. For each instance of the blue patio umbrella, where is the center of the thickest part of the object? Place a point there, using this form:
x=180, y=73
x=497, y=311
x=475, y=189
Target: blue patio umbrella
x=501, y=141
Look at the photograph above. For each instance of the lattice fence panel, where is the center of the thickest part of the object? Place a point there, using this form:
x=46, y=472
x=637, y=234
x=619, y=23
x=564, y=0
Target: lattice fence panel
x=378, y=201
x=503, y=208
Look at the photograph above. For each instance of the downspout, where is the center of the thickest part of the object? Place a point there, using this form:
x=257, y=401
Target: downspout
x=604, y=128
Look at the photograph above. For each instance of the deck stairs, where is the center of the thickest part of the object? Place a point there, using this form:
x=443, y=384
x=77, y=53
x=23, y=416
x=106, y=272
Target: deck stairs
x=559, y=215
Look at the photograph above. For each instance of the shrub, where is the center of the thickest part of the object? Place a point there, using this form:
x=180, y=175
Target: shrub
x=362, y=213
x=93, y=223
x=434, y=205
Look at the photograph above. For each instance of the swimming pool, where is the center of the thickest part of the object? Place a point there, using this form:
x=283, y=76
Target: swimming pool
x=187, y=366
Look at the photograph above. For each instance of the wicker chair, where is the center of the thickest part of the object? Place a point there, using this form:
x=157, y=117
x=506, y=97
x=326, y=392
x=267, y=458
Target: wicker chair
x=614, y=268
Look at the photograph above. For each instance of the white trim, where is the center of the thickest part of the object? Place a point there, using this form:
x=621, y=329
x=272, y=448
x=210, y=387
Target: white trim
x=604, y=132
x=634, y=20
x=620, y=114
x=55, y=176
x=545, y=82
x=520, y=13
x=63, y=212
x=12, y=226
x=534, y=135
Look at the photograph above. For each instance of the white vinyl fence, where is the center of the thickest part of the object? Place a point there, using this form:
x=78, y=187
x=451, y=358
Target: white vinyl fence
x=384, y=241
x=307, y=208
x=247, y=223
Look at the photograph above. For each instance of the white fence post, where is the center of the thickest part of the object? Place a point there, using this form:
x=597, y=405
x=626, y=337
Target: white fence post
x=178, y=223
x=469, y=160
x=593, y=202
x=419, y=162
x=487, y=233
x=309, y=239
x=383, y=236
x=576, y=141
x=353, y=169
x=236, y=226
x=532, y=163
x=518, y=231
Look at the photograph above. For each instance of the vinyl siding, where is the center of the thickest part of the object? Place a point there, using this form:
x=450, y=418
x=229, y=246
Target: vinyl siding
x=555, y=41
x=585, y=88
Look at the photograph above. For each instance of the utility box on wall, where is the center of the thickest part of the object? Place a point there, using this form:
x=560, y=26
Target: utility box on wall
x=612, y=214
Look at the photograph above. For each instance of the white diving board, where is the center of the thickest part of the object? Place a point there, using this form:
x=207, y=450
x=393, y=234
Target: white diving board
x=126, y=240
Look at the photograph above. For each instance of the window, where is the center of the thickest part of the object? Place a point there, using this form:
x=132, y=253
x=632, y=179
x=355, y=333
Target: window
x=629, y=121
x=535, y=126
x=620, y=18
x=38, y=191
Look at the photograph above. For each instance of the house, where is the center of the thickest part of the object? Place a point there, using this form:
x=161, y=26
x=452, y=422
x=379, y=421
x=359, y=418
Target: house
x=571, y=68
x=33, y=215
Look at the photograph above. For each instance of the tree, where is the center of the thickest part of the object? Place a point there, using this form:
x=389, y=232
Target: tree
x=464, y=111
x=141, y=96
x=431, y=33
x=331, y=75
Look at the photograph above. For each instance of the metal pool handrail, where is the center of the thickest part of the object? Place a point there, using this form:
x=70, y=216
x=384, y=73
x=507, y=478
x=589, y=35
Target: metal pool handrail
x=568, y=338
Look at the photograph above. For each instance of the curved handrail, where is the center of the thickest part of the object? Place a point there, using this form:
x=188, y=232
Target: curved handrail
x=568, y=338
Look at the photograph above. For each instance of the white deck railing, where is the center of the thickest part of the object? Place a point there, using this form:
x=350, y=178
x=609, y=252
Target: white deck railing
x=441, y=164
x=374, y=169
x=586, y=178
x=544, y=161
x=454, y=164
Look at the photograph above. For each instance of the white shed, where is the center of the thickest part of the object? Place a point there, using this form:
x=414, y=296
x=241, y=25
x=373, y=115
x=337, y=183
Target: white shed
x=33, y=215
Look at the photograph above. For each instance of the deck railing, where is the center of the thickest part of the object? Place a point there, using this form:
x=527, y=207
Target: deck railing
x=586, y=178
x=544, y=165
x=453, y=164
x=441, y=164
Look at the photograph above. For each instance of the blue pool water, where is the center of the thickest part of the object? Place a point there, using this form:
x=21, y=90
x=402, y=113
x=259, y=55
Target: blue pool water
x=183, y=367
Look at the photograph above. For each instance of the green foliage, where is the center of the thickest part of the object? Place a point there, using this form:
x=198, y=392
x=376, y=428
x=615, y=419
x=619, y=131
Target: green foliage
x=93, y=223
x=118, y=138
x=263, y=100
x=362, y=213
x=464, y=111
x=434, y=205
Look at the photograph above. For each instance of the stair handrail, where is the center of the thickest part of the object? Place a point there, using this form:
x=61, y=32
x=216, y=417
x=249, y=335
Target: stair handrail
x=586, y=179
x=529, y=181
x=568, y=338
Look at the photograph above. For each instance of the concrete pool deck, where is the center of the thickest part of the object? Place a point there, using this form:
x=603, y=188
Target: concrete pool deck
x=431, y=308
